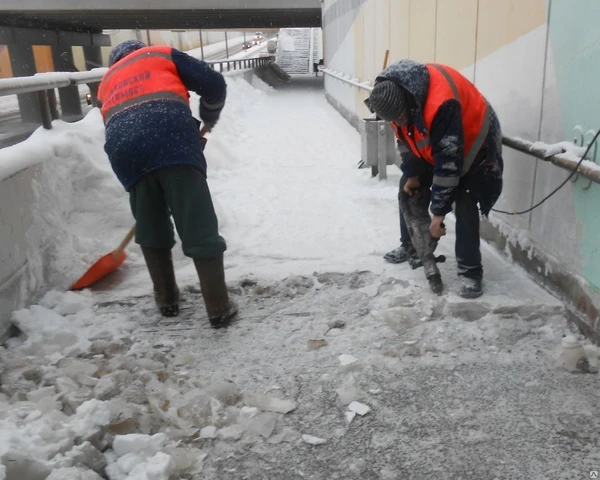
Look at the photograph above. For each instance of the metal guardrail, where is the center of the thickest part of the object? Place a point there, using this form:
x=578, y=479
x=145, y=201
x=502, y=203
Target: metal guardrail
x=46, y=83
x=528, y=148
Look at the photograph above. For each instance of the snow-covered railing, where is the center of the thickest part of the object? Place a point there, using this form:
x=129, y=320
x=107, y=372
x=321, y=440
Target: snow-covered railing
x=46, y=83
x=347, y=79
x=565, y=155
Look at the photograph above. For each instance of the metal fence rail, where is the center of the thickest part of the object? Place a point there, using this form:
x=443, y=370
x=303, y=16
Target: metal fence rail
x=560, y=160
x=46, y=83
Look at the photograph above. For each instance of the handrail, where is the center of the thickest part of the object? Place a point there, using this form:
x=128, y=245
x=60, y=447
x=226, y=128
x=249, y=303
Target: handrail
x=50, y=80
x=567, y=162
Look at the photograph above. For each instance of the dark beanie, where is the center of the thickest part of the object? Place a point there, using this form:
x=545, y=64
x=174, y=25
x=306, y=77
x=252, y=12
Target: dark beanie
x=123, y=49
x=387, y=100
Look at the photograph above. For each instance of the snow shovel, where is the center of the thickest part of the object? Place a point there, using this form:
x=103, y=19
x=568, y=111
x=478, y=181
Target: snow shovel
x=107, y=264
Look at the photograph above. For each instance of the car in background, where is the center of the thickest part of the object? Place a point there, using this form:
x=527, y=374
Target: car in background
x=259, y=35
x=246, y=45
x=256, y=41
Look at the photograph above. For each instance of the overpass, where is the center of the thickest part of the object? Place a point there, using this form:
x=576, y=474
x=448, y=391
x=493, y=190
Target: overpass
x=95, y=16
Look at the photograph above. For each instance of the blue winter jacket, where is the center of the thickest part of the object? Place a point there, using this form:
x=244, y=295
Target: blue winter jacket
x=160, y=133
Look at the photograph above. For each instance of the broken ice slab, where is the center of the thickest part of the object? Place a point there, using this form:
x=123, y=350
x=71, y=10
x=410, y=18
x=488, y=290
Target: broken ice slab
x=350, y=416
x=346, y=360
x=312, y=440
x=359, y=408
x=270, y=404
x=263, y=424
x=208, y=432
x=232, y=432
x=286, y=435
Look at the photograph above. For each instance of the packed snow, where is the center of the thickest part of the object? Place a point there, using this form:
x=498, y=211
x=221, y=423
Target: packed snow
x=340, y=366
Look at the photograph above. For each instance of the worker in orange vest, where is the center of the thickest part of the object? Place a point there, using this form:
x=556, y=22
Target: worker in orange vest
x=157, y=153
x=450, y=143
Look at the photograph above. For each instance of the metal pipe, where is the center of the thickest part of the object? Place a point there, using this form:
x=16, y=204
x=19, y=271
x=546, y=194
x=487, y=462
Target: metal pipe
x=45, y=109
x=202, y=45
x=559, y=159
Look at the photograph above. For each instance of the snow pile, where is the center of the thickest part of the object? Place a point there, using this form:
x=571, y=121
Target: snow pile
x=80, y=211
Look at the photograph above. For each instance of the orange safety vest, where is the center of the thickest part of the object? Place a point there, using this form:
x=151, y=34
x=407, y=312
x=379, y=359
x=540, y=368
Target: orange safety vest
x=144, y=75
x=445, y=83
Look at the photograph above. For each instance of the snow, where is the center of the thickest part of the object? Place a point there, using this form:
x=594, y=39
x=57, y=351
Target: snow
x=450, y=385
x=567, y=150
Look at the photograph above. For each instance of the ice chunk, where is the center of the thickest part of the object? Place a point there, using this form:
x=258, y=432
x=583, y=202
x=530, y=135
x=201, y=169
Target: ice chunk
x=232, y=432
x=21, y=466
x=91, y=416
x=40, y=394
x=246, y=415
x=226, y=392
x=263, y=424
x=350, y=416
x=359, y=408
x=73, y=473
x=271, y=404
x=138, y=443
x=312, y=440
x=348, y=392
x=286, y=435
x=159, y=467
x=346, y=360
x=208, y=432
x=88, y=455
x=106, y=388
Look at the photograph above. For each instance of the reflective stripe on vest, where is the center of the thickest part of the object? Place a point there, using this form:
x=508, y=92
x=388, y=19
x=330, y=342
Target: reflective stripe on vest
x=445, y=83
x=145, y=75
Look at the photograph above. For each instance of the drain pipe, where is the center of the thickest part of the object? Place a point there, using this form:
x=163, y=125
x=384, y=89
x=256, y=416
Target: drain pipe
x=560, y=160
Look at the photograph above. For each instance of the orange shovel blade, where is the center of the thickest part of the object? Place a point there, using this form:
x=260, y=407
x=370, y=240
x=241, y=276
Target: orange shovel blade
x=107, y=264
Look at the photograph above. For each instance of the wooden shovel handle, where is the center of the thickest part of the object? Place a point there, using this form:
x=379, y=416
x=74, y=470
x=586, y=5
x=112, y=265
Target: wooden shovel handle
x=125, y=242
x=203, y=131
x=385, y=59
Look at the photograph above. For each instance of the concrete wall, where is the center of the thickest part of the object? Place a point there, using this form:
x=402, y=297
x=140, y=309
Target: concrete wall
x=537, y=62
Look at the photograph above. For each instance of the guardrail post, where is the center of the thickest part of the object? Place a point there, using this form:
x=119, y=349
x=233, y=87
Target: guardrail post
x=51, y=94
x=221, y=67
x=45, y=109
x=22, y=62
x=94, y=92
x=228, y=66
x=70, y=102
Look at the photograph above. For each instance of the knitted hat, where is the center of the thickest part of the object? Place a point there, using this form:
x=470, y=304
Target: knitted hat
x=387, y=100
x=123, y=49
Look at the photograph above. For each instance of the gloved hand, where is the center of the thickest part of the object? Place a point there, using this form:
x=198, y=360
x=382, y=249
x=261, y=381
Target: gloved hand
x=209, y=117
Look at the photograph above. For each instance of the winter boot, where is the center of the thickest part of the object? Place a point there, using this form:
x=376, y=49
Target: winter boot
x=470, y=287
x=160, y=266
x=403, y=253
x=219, y=308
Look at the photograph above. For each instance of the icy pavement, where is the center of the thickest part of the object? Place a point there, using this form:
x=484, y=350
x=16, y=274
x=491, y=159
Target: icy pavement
x=339, y=367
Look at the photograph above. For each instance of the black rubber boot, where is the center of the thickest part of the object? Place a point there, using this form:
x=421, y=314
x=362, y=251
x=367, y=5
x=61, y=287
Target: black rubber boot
x=470, y=287
x=403, y=253
x=220, y=309
x=160, y=266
